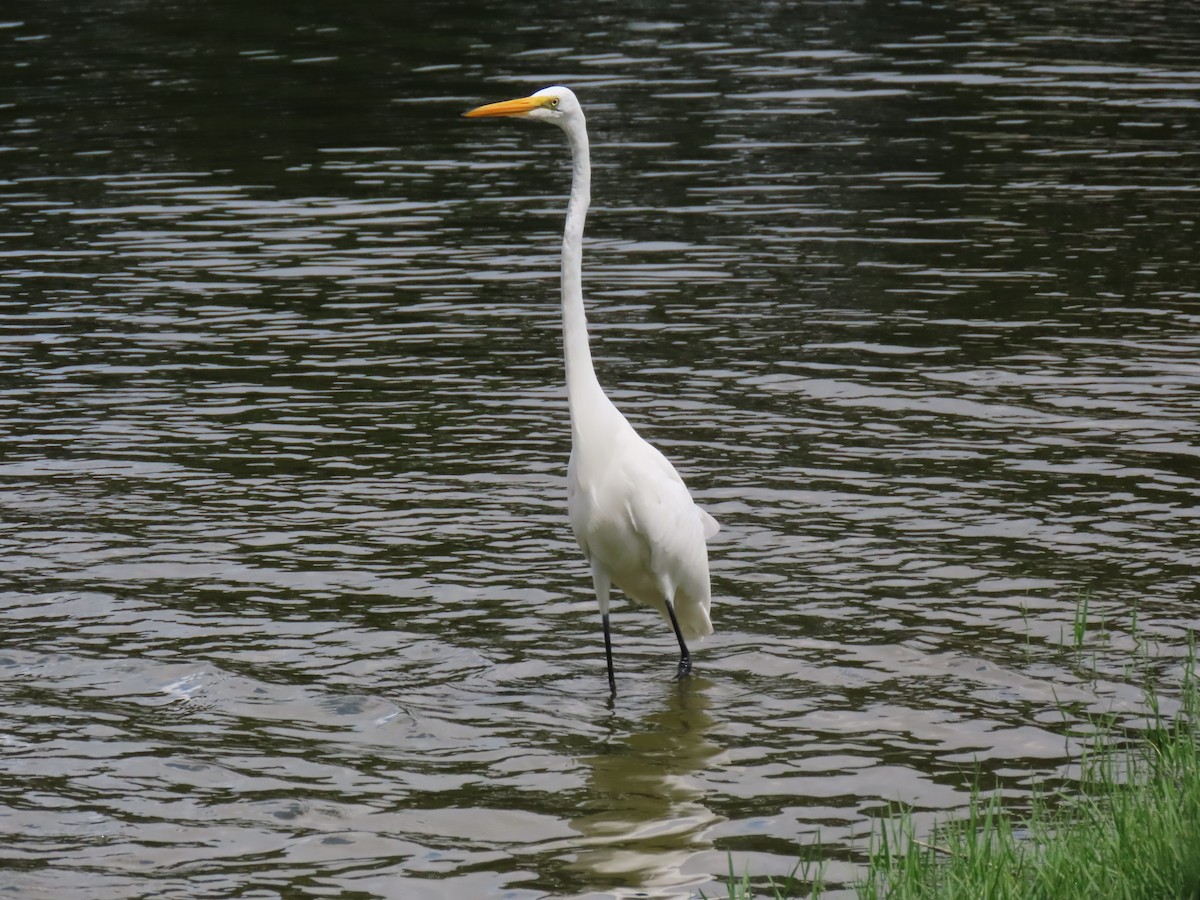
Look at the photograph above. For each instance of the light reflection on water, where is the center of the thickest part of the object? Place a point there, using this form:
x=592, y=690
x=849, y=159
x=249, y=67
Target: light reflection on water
x=288, y=595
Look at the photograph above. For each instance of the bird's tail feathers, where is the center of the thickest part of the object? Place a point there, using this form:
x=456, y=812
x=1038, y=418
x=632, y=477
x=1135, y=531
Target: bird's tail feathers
x=693, y=619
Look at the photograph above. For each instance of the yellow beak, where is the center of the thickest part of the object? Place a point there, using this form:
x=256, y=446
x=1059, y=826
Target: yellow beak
x=520, y=107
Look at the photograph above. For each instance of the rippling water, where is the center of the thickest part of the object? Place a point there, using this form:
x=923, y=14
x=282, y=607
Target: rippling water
x=288, y=598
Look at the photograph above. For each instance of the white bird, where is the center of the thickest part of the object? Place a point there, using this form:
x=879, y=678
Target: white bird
x=631, y=513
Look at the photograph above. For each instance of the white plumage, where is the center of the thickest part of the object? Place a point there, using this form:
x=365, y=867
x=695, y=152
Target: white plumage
x=631, y=513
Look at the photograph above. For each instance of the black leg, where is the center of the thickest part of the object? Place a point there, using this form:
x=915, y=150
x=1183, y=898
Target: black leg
x=685, y=658
x=612, y=681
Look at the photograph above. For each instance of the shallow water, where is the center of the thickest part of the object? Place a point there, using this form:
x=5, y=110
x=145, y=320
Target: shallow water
x=288, y=598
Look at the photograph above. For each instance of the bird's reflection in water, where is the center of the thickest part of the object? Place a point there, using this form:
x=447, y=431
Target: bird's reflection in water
x=645, y=815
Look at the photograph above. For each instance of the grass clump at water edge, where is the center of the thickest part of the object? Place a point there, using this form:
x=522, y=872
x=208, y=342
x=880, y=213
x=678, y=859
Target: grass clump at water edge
x=1134, y=832
x=1131, y=832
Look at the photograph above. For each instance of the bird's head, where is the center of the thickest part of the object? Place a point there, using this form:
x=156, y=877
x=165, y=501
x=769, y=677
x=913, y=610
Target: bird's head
x=553, y=104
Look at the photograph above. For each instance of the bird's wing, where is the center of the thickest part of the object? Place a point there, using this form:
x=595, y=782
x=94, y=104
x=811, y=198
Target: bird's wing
x=708, y=524
x=664, y=515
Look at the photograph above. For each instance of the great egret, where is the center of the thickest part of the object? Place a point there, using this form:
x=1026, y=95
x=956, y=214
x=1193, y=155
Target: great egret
x=630, y=511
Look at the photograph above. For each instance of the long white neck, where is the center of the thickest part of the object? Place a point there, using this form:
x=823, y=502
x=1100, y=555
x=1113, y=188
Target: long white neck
x=581, y=377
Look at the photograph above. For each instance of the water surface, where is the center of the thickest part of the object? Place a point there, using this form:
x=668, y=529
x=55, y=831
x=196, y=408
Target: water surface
x=288, y=597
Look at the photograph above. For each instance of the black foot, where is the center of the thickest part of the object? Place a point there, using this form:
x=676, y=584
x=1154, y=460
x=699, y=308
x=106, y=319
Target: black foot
x=685, y=658
x=612, y=678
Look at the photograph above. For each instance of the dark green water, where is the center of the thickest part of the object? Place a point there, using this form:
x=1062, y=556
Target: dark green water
x=288, y=601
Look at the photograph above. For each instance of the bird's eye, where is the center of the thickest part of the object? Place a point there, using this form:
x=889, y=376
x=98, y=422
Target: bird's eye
x=553, y=102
